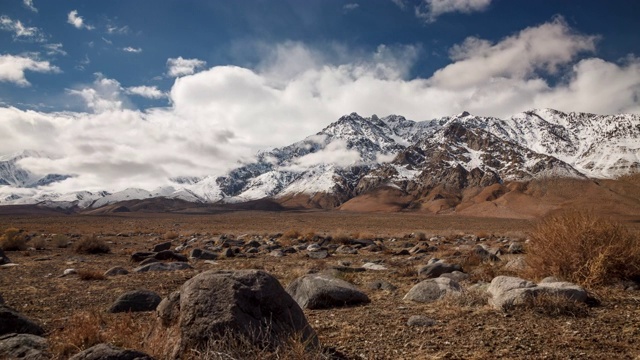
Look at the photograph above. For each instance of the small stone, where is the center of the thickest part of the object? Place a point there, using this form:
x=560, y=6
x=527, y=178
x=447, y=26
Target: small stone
x=320, y=254
x=420, y=321
x=68, y=272
x=158, y=266
x=116, y=270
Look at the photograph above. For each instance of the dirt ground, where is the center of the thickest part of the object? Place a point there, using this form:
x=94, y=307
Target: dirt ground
x=377, y=330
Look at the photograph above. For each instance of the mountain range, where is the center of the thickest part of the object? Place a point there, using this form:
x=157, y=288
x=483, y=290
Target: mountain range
x=359, y=163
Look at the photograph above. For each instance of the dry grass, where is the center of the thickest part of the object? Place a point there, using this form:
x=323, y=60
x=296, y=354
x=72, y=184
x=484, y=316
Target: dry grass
x=86, y=329
x=13, y=240
x=92, y=245
x=38, y=243
x=554, y=306
x=171, y=235
x=291, y=234
x=91, y=275
x=60, y=241
x=467, y=298
x=583, y=248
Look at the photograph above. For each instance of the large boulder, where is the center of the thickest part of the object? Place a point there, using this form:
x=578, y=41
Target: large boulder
x=321, y=291
x=507, y=291
x=433, y=289
x=110, y=352
x=13, y=322
x=249, y=303
x=135, y=301
x=23, y=346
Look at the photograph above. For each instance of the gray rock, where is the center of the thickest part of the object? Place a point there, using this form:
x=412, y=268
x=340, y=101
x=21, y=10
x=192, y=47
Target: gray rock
x=345, y=249
x=203, y=254
x=148, y=261
x=313, y=247
x=228, y=253
x=116, y=270
x=110, y=352
x=433, y=289
x=420, y=321
x=438, y=268
x=516, y=264
x=321, y=291
x=13, y=322
x=162, y=246
x=3, y=258
x=382, y=285
x=170, y=255
x=141, y=255
x=320, y=254
x=23, y=346
x=516, y=248
x=248, y=303
x=507, y=292
x=373, y=266
x=276, y=253
x=159, y=266
x=456, y=275
x=136, y=301
x=486, y=254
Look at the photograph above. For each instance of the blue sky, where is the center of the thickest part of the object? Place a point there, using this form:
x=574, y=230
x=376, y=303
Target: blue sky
x=188, y=87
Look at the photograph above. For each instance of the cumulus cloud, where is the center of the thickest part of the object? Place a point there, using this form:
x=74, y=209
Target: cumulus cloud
x=12, y=68
x=130, y=49
x=149, y=92
x=29, y=5
x=224, y=114
x=429, y=10
x=180, y=66
x=20, y=31
x=335, y=153
x=76, y=20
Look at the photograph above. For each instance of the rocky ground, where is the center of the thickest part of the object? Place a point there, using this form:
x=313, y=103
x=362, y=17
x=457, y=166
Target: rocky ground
x=383, y=256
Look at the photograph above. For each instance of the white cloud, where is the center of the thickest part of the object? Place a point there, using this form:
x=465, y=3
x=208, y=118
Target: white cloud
x=29, y=5
x=180, y=66
x=114, y=29
x=21, y=32
x=350, y=7
x=225, y=113
x=132, y=50
x=54, y=49
x=400, y=3
x=149, y=92
x=429, y=10
x=12, y=68
x=335, y=153
x=107, y=41
x=74, y=19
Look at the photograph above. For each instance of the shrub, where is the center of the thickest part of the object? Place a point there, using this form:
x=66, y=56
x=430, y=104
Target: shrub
x=583, y=248
x=291, y=234
x=171, y=235
x=60, y=241
x=92, y=245
x=13, y=240
x=91, y=275
x=39, y=243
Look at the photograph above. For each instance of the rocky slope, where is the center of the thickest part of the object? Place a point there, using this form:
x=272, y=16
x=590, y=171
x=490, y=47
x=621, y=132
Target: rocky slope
x=356, y=155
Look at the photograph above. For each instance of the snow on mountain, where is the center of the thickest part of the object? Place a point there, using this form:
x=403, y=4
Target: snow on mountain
x=356, y=154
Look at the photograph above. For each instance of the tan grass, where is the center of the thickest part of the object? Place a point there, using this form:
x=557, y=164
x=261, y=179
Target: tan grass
x=60, y=241
x=583, y=248
x=13, y=240
x=86, y=274
x=91, y=245
x=38, y=243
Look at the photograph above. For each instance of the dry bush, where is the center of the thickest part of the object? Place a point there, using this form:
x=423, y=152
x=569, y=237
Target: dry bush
x=60, y=241
x=342, y=237
x=38, y=243
x=170, y=235
x=554, y=306
x=13, y=240
x=363, y=235
x=85, y=274
x=291, y=234
x=419, y=235
x=583, y=248
x=92, y=245
x=309, y=235
x=467, y=298
x=86, y=329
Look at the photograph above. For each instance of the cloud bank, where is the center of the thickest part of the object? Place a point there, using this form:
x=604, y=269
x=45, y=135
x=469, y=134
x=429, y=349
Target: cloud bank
x=12, y=68
x=224, y=114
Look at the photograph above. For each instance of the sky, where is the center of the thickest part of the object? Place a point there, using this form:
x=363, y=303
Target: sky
x=125, y=92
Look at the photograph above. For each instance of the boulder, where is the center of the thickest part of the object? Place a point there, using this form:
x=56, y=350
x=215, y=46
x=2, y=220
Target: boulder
x=13, y=322
x=162, y=246
x=433, y=289
x=321, y=291
x=110, y=352
x=456, y=275
x=170, y=255
x=420, y=321
x=116, y=270
x=507, y=292
x=159, y=266
x=319, y=254
x=3, y=258
x=203, y=254
x=136, y=301
x=141, y=255
x=249, y=303
x=23, y=346
x=438, y=268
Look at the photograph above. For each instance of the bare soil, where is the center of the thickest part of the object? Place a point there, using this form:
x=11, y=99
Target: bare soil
x=374, y=331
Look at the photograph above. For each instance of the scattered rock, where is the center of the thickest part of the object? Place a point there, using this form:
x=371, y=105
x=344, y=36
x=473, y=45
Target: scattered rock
x=3, y=258
x=345, y=249
x=170, y=255
x=23, y=346
x=116, y=270
x=228, y=253
x=320, y=254
x=382, y=285
x=420, y=321
x=320, y=291
x=148, y=261
x=249, y=303
x=313, y=247
x=438, y=268
x=141, y=255
x=13, y=322
x=68, y=272
x=276, y=253
x=456, y=275
x=162, y=246
x=507, y=292
x=203, y=254
x=374, y=266
x=516, y=248
x=110, y=352
x=486, y=254
x=432, y=290
x=158, y=266
x=516, y=264
x=136, y=301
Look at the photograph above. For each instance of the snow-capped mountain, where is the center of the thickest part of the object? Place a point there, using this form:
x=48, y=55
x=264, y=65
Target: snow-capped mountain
x=355, y=155
x=12, y=174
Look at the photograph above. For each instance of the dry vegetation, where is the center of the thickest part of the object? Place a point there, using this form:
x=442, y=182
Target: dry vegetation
x=72, y=308
x=91, y=245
